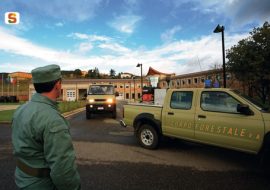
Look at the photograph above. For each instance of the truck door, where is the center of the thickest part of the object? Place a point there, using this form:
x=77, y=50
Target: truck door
x=178, y=115
x=219, y=123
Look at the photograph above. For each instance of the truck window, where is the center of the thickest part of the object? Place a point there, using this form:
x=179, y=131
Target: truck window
x=181, y=100
x=101, y=90
x=218, y=102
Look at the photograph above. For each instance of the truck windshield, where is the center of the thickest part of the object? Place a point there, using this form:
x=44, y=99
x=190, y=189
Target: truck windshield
x=101, y=90
x=252, y=101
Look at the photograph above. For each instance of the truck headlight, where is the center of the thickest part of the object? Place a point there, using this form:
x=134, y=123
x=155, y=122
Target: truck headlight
x=110, y=100
x=91, y=100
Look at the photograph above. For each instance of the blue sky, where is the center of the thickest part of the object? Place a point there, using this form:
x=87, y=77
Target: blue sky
x=172, y=36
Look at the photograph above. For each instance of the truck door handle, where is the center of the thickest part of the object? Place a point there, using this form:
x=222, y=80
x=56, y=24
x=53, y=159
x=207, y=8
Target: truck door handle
x=201, y=116
x=170, y=113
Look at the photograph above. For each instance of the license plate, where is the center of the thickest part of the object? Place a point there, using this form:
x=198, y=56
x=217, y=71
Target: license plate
x=100, y=108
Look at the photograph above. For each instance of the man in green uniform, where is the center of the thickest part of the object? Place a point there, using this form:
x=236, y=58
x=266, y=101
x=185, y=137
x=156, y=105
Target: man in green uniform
x=41, y=139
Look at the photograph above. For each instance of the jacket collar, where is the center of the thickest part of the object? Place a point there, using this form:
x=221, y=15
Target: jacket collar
x=37, y=97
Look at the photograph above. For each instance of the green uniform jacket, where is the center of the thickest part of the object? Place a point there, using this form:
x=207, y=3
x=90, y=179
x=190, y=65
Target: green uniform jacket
x=41, y=139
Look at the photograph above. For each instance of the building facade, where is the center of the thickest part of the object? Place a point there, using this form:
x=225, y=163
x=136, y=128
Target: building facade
x=75, y=89
x=199, y=79
x=155, y=76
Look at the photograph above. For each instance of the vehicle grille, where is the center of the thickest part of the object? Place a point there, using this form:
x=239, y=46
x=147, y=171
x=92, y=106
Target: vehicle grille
x=100, y=100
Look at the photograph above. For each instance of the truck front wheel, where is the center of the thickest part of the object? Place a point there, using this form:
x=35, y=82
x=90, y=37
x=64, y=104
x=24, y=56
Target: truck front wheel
x=148, y=137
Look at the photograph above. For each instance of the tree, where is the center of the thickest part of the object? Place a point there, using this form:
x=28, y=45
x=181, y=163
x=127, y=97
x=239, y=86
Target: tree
x=93, y=73
x=78, y=73
x=112, y=73
x=96, y=73
x=249, y=61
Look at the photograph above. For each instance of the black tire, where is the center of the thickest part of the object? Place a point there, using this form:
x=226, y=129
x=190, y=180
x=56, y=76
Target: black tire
x=88, y=115
x=148, y=137
x=264, y=156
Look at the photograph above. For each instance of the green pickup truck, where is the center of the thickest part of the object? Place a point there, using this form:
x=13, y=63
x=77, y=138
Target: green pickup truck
x=214, y=116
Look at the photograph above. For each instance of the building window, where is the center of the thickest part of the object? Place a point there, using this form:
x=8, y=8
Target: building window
x=202, y=79
x=127, y=86
x=178, y=82
x=121, y=86
x=189, y=81
x=127, y=95
x=115, y=86
x=195, y=80
x=183, y=82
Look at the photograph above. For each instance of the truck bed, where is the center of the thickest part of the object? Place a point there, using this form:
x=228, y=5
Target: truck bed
x=134, y=109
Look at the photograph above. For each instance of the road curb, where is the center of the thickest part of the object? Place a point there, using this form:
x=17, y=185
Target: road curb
x=68, y=114
x=65, y=115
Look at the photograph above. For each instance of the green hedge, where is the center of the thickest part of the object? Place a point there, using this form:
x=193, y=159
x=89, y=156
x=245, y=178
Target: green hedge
x=69, y=106
x=62, y=106
x=6, y=115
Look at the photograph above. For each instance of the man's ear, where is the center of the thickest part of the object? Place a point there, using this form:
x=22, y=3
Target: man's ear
x=57, y=85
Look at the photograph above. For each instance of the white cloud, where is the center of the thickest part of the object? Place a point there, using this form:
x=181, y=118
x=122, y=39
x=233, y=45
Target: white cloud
x=59, y=24
x=84, y=47
x=240, y=12
x=115, y=47
x=125, y=23
x=89, y=37
x=168, y=35
x=178, y=57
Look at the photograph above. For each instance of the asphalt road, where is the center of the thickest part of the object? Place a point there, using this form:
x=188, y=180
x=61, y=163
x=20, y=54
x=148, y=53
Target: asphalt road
x=109, y=157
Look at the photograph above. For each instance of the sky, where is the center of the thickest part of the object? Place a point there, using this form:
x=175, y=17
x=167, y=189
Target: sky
x=171, y=36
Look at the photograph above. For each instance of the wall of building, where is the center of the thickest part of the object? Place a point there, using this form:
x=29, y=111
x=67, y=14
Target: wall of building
x=197, y=80
x=75, y=89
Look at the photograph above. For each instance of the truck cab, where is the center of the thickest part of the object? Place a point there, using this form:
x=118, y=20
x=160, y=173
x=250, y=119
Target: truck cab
x=213, y=116
x=100, y=99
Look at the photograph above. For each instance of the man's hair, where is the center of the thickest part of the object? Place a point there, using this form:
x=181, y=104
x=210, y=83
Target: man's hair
x=45, y=87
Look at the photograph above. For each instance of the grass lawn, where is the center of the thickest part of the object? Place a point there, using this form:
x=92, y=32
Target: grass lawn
x=63, y=107
x=6, y=115
x=18, y=103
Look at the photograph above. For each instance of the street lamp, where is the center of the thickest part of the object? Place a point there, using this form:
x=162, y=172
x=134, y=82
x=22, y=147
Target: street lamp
x=217, y=30
x=140, y=65
x=133, y=77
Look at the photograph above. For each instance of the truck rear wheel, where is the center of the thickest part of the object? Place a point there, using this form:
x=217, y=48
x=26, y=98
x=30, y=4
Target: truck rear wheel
x=148, y=137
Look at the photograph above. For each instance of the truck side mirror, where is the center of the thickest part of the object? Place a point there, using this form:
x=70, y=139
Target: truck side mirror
x=244, y=109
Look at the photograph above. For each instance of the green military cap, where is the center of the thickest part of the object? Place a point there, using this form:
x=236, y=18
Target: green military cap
x=46, y=74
